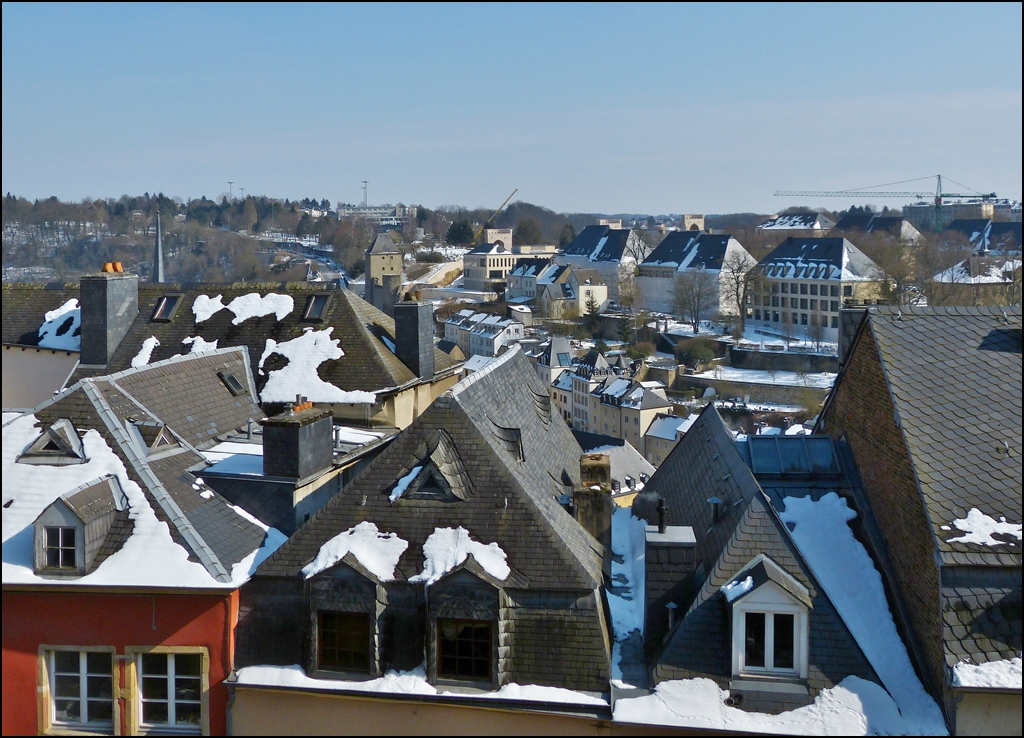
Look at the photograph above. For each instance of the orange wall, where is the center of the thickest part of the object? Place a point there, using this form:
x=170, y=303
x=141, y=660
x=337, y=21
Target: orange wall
x=85, y=619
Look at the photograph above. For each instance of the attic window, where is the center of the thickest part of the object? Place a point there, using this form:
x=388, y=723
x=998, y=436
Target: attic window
x=155, y=436
x=231, y=382
x=166, y=306
x=57, y=445
x=60, y=549
x=316, y=307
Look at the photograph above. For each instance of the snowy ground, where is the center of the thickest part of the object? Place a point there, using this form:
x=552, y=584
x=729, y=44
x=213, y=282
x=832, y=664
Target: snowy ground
x=762, y=341
x=817, y=380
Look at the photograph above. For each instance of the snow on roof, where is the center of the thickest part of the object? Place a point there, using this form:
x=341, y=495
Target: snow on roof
x=403, y=484
x=199, y=344
x=1004, y=674
x=626, y=598
x=148, y=558
x=992, y=272
x=299, y=377
x=252, y=305
x=667, y=427
x=145, y=352
x=564, y=382
x=249, y=465
x=617, y=388
x=413, y=681
x=734, y=589
x=62, y=328
x=846, y=572
x=980, y=528
x=377, y=552
x=447, y=548
x=855, y=706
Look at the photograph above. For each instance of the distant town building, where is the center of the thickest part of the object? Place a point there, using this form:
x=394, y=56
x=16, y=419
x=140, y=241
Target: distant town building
x=481, y=334
x=612, y=252
x=816, y=223
x=927, y=216
x=806, y=281
x=565, y=291
x=383, y=274
x=685, y=252
x=987, y=235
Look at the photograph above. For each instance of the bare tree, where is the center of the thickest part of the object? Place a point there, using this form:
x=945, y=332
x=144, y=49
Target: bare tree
x=816, y=331
x=736, y=266
x=640, y=243
x=897, y=257
x=695, y=296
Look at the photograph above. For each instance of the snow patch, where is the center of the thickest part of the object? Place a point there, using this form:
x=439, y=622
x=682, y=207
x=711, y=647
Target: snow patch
x=255, y=305
x=446, y=548
x=732, y=590
x=980, y=529
x=205, y=307
x=855, y=706
x=272, y=541
x=626, y=596
x=377, y=552
x=199, y=344
x=1005, y=674
x=145, y=353
x=403, y=484
x=846, y=572
x=305, y=353
x=62, y=328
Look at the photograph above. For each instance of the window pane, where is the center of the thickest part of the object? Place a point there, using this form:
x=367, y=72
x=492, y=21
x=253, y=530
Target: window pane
x=100, y=687
x=154, y=712
x=186, y=688
x=101, y=711
x=345, y=641
x=53, y=558
x=465, y=649
x=755, y=640
x=154, y=663
x=784, y=638
x=67, y=711
x=99, y=663
x=187, y=714
x=154, y=688
x=187, y=664
x=67, y=537
x=67, y=686
x=66, y=662
x=53, y=537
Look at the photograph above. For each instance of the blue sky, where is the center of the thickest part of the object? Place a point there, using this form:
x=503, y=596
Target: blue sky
x=630, y=108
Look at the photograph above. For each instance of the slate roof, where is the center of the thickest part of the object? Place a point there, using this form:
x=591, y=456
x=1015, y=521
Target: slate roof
x=368, y=364
x=819, y=258
x=529, y=267
x=981, y=614
x=25, y=304
x=685, y=249
x=626, y=461
x=599, y=243
x=199, y=520
x=519, y=457
x=798, y=222
x=985, y=234
x=954, y=375
x=383, y=244
x=704, y=464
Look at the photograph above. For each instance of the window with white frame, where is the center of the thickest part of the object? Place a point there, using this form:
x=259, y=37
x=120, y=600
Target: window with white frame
x=171, y=691
x=81, y=689
x=769, y=634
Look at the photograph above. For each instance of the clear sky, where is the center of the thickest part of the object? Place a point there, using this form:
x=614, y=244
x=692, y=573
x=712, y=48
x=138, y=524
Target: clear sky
x=594, y=108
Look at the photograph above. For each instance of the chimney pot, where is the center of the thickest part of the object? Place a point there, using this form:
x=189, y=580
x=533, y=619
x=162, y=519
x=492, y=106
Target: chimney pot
x=662, y=510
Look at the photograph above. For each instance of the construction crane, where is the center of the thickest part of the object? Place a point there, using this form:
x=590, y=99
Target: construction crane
x=872, y=192
x=487, y=222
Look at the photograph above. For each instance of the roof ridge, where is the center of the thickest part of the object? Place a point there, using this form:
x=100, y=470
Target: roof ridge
x=475, y=377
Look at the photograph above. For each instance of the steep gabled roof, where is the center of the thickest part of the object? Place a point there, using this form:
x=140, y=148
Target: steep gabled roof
x=383, y=244
x=529, y=267
x=705, y=464
x=210, y=530
x=954, y=375
x=519, y=457
x=687, y=249
x=599, y=243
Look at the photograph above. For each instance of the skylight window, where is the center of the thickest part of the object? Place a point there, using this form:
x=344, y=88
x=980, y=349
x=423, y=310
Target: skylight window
x=166, y=306
x=316, y=307
x=231, y=382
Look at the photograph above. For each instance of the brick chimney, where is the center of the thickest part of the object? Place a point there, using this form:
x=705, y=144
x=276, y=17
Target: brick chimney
x=592, y=500
x=298, y=443
x=414, y=337
x=110, y=303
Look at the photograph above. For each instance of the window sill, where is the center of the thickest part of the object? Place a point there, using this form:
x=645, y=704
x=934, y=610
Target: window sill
x=766, y=683
x=99, y=729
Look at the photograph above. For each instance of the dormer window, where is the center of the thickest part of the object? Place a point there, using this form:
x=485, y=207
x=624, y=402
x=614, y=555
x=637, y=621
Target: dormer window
x=56, y=446
x=166, y=306
x=154, y=436
x=316, y=307
x=231, y=382
x=770, y=613
x=60, y=548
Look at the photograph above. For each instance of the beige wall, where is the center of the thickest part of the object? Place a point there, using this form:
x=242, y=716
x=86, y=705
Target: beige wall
x=988, y=713
x=32, y=375
x=281, y=712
